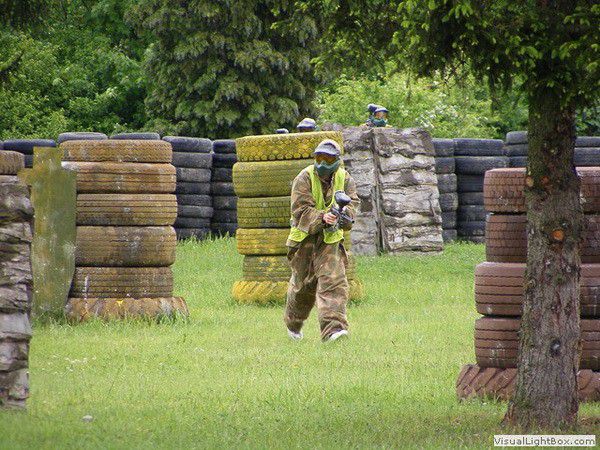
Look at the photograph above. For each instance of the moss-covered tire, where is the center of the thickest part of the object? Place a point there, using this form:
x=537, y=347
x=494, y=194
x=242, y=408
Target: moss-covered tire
x=126, y=178
x=265, y=212
x=268, y=241
x=122, y=282
x=277, y=268
x=125, y=246
x=113, y=150
x=273, y=147
x=11, y=162
x=81, y=309
x=126, y=209
x=266, y=179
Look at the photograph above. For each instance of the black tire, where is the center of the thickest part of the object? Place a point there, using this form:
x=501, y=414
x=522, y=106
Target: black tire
x=223, y=229
x=195, y=200
x=137, y=136
x=471, y=198
x=444, y=165
x=225, y=216
x=81, y=136
x=469, y=183
x=443, y=147
x=516, y=150
x=222, y=174
x=224, y=202
x=449, y=235
x=193, y=175
x=25, y=146
x=448, y=220
x=193, y=188
x=224, y=160
x=224, y=146
x=195, y=233
x=222, y=188
x=516, y=137
x=587, y=141
x=587, y=156
x=189, y=144
x=471, y=228
x=471, y=213
x=478, y=165
x=1, y=145
x=478, y=147
x=28, y=161
x=192, y=222
x=446, y=183
x=202, y=212
x=193, y=160
x=449, y=202
x=518, y=161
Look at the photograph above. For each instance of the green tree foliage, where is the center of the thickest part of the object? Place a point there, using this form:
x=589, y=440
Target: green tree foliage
x=228, y=68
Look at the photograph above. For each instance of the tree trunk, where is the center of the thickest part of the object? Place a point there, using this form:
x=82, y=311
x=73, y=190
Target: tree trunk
x=549, y=349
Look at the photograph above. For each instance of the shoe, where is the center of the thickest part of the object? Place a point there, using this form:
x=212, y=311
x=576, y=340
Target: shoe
x=338, y=334
x=295, y=336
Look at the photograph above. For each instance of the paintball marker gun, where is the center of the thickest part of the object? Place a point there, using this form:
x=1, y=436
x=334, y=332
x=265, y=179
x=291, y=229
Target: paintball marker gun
x=341, y=201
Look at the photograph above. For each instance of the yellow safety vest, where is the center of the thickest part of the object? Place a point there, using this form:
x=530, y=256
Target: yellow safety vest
x=339, y=180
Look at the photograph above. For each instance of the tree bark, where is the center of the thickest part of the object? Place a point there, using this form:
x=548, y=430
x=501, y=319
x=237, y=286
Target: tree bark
x=546, y=391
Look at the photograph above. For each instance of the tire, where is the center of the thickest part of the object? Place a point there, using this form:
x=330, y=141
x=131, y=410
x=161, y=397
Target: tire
x=449, y=202
x=26, y=146
x=469, y=183
x=192, y=222
x=587, y=156
x=192, y=233
x=269, y=241
x=201, y=212
x=277, y=268
x=478, y=165
x=122, y=282
x=137, y=136
x=28, y=161
x=449, y=220
x=518, y=161
x=194, y=200
x=499, y=289
x=266, y=212
x=224, y=160
x=117, y=151
x=222, y=189
x=126, y=209
x=189, y=144
x=516, y=137
x=125, y=246
x=447, y=183
x=275, y=147
x=275, y=177
x=222, y=174
x=225, y=215
x=478, y=147
x=11, y=162
x=82, y=309
x=517, y=150
x=80, y=136
x=471, y=229
x=585, y=141
x=193, y=160
x=444, y=165
x=224, y=146
x=449, y=235
x=443, y=147
x=134, y=178
x=471, y=198
x=192, y=188
x=471, y=213
x=223, y=229
x=190, y=175
x=225, y=202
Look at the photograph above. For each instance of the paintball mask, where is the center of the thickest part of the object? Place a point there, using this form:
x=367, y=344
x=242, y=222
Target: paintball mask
x=380, y=117
x=327, y=158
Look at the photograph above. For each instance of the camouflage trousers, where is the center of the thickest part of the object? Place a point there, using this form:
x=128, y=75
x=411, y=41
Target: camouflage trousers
x=318, y=276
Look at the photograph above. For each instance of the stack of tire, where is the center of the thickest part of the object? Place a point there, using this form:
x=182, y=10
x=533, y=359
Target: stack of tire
x=263, y=182
x=224, y=220
x=125, y=240
x=473, y=157
x=499, y=287
x=193, y=161
x=587, y=150
x=445, y=168
x=16, y=281
x=25, y=147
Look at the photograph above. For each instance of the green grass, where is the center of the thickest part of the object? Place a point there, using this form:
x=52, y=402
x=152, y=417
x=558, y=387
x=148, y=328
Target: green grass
x=229, y=376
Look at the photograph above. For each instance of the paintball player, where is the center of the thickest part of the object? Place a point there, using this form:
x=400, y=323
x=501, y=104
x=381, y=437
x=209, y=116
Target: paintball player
x=378, y=116
x=306, y=125
x=316, y=252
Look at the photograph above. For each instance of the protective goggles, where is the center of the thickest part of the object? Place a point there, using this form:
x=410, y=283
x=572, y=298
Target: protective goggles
x=327, y=159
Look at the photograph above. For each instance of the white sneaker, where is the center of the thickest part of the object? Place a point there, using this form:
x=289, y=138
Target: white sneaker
x=295, y=336
x=338, y=334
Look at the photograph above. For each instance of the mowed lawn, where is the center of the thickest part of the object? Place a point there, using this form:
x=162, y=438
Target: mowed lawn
x=230, y=378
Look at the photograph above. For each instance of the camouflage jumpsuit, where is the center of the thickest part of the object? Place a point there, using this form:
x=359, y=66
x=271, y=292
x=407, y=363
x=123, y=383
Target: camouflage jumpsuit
x=318, y=269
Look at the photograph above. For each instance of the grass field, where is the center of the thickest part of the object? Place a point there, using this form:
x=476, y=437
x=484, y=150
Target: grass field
x=229, y=376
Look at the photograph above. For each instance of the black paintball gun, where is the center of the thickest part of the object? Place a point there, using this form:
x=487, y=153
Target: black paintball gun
x=341, y=201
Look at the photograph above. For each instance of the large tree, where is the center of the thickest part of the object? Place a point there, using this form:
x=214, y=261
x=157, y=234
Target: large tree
x=228, y=68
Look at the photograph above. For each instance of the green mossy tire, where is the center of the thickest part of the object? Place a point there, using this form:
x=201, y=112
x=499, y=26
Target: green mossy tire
x=268, y=178
x=113, y=150
x=264, y=212
x=11, y=162
x=268, y=241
